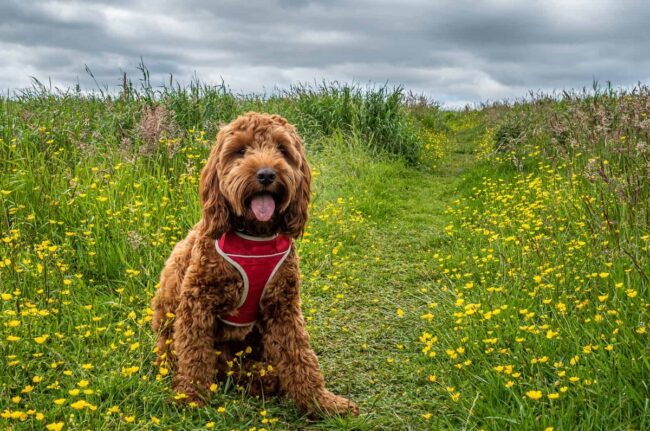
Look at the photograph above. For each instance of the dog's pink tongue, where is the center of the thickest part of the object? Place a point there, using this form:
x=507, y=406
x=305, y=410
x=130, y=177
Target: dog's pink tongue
x=263, y=207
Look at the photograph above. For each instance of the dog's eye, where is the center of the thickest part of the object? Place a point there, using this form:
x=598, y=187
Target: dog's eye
x=282, y=151
x=242, y=151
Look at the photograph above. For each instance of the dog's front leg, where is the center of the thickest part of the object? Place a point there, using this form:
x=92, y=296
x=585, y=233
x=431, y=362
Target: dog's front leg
x=194, y=344
x=286, y=347
x=209, y=289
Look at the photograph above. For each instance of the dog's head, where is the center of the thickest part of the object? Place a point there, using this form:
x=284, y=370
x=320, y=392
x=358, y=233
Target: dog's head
x=256, y=179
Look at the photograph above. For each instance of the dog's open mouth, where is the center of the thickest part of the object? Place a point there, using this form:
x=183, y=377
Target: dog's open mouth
x=263, y=206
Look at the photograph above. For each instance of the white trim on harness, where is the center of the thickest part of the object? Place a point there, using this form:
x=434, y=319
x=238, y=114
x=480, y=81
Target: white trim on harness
x=239, y=268
x=286, y=253
x=257, y=255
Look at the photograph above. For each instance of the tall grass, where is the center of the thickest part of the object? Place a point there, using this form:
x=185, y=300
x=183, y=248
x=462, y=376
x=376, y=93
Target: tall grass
x=601, y=138
x=378, y=116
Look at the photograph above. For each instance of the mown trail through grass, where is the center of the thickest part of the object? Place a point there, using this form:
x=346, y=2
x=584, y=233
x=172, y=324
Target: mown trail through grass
x=378, y=320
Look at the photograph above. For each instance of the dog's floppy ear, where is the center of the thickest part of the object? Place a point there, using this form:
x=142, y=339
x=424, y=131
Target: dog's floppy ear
x=215, y=215
x=296, y=215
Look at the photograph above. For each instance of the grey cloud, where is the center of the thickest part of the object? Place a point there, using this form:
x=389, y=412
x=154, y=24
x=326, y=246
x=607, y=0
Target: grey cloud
x=455, y=51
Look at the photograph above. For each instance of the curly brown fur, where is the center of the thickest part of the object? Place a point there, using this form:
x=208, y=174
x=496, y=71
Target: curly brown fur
x=197, y=285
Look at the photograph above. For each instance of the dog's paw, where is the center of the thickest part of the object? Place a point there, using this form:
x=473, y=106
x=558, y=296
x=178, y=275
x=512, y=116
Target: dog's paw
x=332, y=404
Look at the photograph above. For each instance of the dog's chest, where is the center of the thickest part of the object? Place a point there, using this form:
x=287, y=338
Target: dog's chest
x=257, y=260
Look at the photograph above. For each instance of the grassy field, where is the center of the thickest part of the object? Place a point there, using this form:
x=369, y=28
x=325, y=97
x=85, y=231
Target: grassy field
x=485, y=269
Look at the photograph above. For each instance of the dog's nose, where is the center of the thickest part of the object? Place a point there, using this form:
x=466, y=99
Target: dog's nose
x=266, y=176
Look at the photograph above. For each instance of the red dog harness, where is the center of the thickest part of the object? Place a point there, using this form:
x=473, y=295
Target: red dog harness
x=257, y=260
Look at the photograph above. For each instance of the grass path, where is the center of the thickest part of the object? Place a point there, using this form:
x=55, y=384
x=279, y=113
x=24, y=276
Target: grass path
x=379, y=322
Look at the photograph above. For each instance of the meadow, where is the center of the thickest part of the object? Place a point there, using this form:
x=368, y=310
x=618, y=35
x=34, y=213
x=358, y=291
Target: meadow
x=480, y=269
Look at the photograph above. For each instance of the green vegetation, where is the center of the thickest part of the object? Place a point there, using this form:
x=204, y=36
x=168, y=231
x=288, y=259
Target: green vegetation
x=485, y=269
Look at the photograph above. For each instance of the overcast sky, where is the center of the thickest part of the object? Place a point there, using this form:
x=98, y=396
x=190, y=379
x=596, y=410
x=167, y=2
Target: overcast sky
x=453, y=51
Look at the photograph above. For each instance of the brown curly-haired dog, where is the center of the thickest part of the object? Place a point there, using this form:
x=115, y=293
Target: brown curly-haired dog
x=255, y=186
